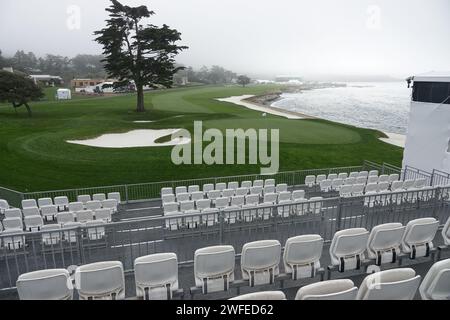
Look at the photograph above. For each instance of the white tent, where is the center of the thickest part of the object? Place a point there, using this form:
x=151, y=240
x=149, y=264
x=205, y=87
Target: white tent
x=63, y=94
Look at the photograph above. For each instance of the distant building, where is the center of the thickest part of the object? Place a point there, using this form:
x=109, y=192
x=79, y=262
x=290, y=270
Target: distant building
x=46, y=80
x=8, y=69
x=82, y=84
x=288, y=79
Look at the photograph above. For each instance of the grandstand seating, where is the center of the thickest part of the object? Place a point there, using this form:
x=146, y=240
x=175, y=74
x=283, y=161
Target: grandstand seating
x=50, y=284
x=341, y=289
x=436, y=283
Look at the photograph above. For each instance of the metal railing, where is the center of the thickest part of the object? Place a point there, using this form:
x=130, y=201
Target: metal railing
x=184, y=233
x=411, y=173
x=440, y=178
x=13, y=197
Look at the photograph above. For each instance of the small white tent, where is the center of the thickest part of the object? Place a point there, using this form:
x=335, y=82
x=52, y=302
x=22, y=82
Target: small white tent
x=63, y=94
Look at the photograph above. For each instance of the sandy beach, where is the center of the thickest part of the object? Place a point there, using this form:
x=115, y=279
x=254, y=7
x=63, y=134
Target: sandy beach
x=247, y=101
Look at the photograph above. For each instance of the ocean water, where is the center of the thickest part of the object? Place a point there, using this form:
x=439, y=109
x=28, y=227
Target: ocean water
x=375, y=105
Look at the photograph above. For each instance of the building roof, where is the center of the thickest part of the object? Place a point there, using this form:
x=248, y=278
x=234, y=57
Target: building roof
x=433, y=76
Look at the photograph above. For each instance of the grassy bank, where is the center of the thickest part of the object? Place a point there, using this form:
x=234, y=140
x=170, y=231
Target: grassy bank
x=34, y=155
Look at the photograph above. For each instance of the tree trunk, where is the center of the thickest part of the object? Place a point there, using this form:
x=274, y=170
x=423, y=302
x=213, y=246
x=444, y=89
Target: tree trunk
x=140, y=99
x=29, y=109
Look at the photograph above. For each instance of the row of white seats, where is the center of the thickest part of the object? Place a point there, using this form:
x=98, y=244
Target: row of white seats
x=156, y=275
x=388, y=197
x=337, y=184
x=12, y=239
x=361, y=176
x=49, y=212
x=214, y=194
x=221, y=186
x=394, y=284
x=62, y=202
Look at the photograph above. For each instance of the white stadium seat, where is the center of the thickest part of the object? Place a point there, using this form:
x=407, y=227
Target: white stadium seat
x=116, y=196
x=246, y=184
x=325, y=185
x=320, y=178
x=170, y=207
x=76, y=206
x=418, y=237
x=256, y=190
x=263, y=295
x=187, y=206
x=52, y=235
x=203, y=204
x=259, y=261
x=268, y=189
x=373, y=173
x=233, y=185
x=30, y=203
x=183, y=196
x=383, y=186
x=214, y=194
x=222, y=202
x=346, y=190
x=50, y=284
x=49, y=212
x=33, y=223
x=420, y=183
x=100, y=281
x=238, y=201
x=269, y=182
x=181, y=189
x=284, y=196
x=207, y=188
x=270, y=198
x=341, y=289
x=258, y=183
x=13, y=213
x=228, y=193
x=332, y=176
x=252, y=199
x=446, y=232
x=193, y=188
x=372, y=179
x=383, y=178
x=364, y=174
x=13, y=224
x=397, y=186
x=350, y=180
x=62, y=202
x=64, y=217
x=221, y=186
x=298, y=195
x=103, y=214
x=156, y=276
x=347, y=248
x=371, y=187
x=99, y=197
x=110, y=204
x=84, y=216
x=408, y=184
x=384, y=242
x=343, y=175
x=214, y=268
x=393, y=177
x=436, y=284
x=84, y=198
x=336, y=184
x=302, y=254
x=165, y=191
x=394, y=284
x=93, y=205
x=3, y=206
x=44, y=202
x=361, y=180
x=241, y=191
x=283, y=187
x=167, y=198
x=358, y=189
x=31, y=211
x=354, y=175
x=310, y=180
x=196, y=195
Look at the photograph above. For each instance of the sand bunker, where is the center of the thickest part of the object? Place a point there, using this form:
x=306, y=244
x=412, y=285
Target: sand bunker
x=239, y=101
x=133, y=139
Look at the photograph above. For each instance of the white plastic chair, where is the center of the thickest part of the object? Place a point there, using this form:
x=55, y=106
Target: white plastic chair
x=302, y=254
x=384, y=242
x=436, y=284
x=347, y=248
x=341, y=289
x=259, y=261
x=50, y=284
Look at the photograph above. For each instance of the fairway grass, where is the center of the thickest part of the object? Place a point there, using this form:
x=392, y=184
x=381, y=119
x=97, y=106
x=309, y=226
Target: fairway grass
x=35, y=155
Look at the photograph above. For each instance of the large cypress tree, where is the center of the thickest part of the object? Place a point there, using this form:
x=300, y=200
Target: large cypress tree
x=134, y=51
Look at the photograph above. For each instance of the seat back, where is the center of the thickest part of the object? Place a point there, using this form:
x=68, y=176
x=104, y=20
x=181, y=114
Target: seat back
x=31, y=211
x=358, y=189
x=156, y=276
x=383, y=186
x=343, y=175
x=354, y=175
x=263, y=295
x=76, y=206
x=325, y=185
x=302, y=250
x=348, y=243
x=252, y=199
x=29, y=203
x=233, y=185
x=84, y=198
x=221, y=186
x=165, y=191
x=373, y=173
x=284, y=196
x=222, y=202
x=196, y=195
x=170, y=207
x=341, y=289
x=246, y=184
x=256, y=190
x=283, y=187
x=372, y=179
x=33, y=223
x=44, y=202
x=64, y=217
x=446, y=232
x=193, y=188
x=99, y=197
x=214, y=267
x=100, y=280
x=93, y=205
x=346, y=190
x=270, y=198
x=184, y=196
x=383, y=178
x=397, y=185
x=237, y=201
x=419, y=232
x=85, y=216
x=214, y=194
x=385, y=237
x=260, y=257
x=350, y=180
x=332, y=176
x=436, y=284
x=13, y=224
x=269, y=182
x=361, y=180
x=298, y=194
x=241, y=191
x=228, y=193
x=420, y=183
x=320, y=178
x=181, y=189
x=187, y=205
x=116, y=196
x=61, y=202
x=13, y=213
x=371, y=187
x=408, y=184
x=364, y=174
x=103, y=215
x=310, y=180
x=393, y=177
x=50, y=284
x=207, y=187
x=394, y=284
x=203, y=204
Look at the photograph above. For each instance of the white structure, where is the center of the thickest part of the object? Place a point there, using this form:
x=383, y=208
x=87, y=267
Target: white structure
x=428, y=140
x=63, y=94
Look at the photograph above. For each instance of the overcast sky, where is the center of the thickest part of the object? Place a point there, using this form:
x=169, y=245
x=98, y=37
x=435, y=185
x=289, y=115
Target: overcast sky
x=304, y=37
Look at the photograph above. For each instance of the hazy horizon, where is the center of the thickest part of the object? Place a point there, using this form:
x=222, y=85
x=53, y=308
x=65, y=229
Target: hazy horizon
x=319, y=39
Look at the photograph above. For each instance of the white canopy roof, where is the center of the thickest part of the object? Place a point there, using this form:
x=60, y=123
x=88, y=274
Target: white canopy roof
x=433, y=76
